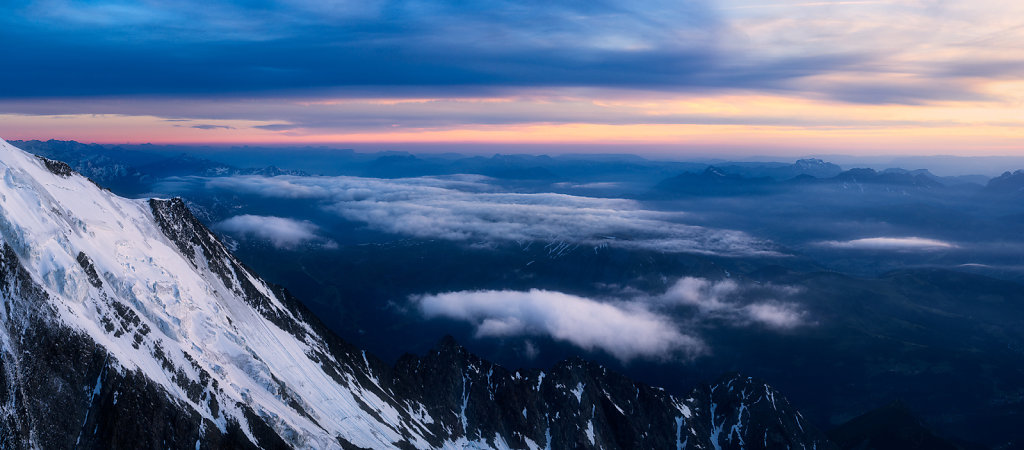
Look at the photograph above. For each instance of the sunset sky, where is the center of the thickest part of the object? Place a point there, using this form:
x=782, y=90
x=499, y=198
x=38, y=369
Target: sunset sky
x=730, y=77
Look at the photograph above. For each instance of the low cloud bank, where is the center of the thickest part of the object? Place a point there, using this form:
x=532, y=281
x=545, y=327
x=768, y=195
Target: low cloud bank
x=640, y=327
x=281, y=232
x=624, y=331
x=738, y=305
x=467, y=208
x=891, y=243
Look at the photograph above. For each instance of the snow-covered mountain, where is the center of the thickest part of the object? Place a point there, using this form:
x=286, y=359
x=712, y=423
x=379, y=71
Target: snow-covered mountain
x=128, y=324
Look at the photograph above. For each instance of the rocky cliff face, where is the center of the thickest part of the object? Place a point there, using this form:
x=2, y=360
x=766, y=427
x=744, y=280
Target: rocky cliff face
x=128, y=324
x=578, y=404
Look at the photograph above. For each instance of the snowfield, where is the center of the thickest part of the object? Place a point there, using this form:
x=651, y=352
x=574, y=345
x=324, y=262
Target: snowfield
x=192, y=324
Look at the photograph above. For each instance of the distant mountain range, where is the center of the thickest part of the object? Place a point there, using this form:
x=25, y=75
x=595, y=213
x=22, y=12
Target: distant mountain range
x=132, y=171
x=132, y=168
x=738, y=180
x=892, y=427
x=814, y=167
x=1009, y=183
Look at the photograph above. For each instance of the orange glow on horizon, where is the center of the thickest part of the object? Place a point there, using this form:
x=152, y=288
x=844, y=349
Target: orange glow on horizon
x=737, y=123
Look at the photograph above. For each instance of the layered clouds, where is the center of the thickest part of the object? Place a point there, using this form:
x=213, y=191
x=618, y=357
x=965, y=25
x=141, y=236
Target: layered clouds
x=412, y=46
x=469, y=209
x=193, y=47
x=660, y=326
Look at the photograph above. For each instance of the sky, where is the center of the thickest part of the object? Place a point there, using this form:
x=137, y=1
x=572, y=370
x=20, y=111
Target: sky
x=727, y=77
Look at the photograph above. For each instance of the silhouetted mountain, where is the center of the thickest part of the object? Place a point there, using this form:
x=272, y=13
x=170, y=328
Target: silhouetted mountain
x=1009, y=183
x=110, y=167
x=189, y=165
x=512, y=167
x=894, y=177
x=891, y=427
x=714, y=182
x=730, y=181
x=132, y=171
x=812, y=166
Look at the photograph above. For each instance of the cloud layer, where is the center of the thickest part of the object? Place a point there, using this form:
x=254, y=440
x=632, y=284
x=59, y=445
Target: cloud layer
x=281, y=232
x=469, y=209
x=892, y=243
x=624, y=332
x=736, y=304
x=643, y=326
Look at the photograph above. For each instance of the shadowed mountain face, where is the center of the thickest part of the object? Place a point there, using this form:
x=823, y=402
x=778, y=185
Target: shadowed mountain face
x=892, y=427
x=716, y=182
x=733, y=181
x=128, y=324
x=812, y=167
x=1009, y=183
x=578, y=404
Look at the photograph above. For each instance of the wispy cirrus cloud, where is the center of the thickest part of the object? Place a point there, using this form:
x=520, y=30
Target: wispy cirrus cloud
x=469, y=209
x=404, y=48
x=235, y=46
x=207, y=126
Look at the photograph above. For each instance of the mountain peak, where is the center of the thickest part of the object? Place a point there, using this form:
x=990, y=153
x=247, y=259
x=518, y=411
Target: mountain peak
x=810, y=162
x=448, y=344
x=1007, y=183
x=714, y=171
x=892, y=426
x=58, y=168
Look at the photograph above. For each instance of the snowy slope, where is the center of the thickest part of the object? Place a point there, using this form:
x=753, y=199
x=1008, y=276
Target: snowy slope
x=192, y=324
x=128, y=324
